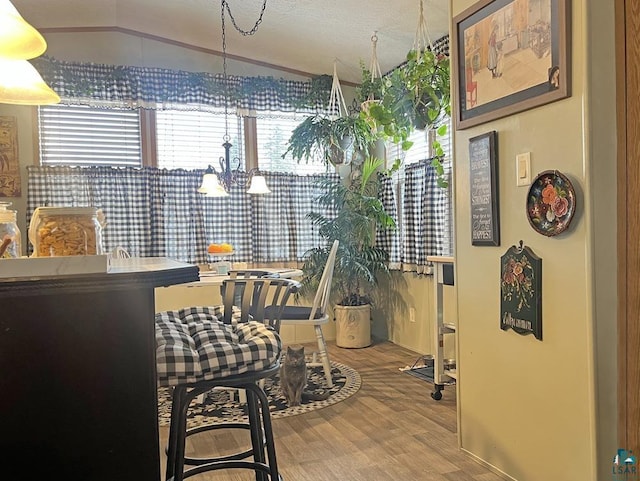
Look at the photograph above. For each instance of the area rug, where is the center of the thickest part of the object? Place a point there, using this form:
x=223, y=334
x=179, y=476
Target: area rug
x=222, y=406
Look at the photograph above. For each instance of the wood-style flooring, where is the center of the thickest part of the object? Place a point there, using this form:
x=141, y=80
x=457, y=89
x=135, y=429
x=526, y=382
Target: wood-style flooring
x=391, y=429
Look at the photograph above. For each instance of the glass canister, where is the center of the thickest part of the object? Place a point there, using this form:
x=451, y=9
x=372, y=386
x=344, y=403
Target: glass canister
x=10, y=239
x=66, y=231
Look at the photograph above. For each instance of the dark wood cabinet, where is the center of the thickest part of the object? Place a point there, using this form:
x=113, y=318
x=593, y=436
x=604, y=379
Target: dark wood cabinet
x=77, y=372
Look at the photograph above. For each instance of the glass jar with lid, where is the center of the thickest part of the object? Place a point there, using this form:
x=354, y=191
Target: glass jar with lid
x=10, y=239
x=66, y=231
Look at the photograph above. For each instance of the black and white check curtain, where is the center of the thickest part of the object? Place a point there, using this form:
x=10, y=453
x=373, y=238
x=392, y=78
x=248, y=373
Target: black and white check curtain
x=424, y=224
x=131, y=87
x=158, y=212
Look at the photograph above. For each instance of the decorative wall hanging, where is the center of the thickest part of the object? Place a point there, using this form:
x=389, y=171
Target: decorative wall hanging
x=9, y=164
x=551, y=203
x=521, y=291
x=483, y=186
x=494, y=40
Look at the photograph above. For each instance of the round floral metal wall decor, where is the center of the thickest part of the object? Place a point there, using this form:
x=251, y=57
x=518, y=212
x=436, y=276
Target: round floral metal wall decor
x=551, y=203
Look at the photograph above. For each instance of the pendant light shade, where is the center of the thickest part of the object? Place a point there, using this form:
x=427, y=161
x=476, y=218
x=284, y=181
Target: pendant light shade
x=18, y=39
x=258, y=185
x=21, y=84
x=211, y=186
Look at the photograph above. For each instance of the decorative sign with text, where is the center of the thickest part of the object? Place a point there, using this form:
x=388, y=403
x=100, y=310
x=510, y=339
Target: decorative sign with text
x=521, y=291
x=485, y=217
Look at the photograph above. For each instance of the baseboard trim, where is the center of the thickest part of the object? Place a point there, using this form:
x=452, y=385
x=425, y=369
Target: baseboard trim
x=489, y=466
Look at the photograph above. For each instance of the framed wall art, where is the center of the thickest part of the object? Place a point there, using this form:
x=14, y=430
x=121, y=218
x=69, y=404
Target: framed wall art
x=510, y=56
x=521, y=291
x=483, y=187
x=10, y=184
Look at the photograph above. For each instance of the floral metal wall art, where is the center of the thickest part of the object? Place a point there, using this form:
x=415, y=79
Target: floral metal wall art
x=521, y=291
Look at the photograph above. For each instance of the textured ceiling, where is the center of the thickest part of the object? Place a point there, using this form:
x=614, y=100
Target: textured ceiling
x=305, y=35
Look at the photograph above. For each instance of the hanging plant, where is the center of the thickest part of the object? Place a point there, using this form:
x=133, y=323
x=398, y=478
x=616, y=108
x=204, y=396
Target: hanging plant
x=415, y=95
x=319, y=136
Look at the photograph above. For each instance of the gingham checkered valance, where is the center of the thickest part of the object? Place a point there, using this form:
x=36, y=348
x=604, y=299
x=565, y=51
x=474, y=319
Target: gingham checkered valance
x=157, y=212
x=441, y=46
x=156, y=88
x=425, y=218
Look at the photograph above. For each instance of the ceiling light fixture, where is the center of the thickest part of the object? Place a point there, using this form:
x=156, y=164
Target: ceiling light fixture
x=20, y=82
x=218, y=184
x=18, y=39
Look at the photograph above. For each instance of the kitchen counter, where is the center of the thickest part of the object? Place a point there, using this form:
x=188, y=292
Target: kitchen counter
x=78, y=373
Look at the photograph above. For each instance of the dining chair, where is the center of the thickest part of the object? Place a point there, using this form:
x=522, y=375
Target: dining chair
x=202, y=348
x=316, y=315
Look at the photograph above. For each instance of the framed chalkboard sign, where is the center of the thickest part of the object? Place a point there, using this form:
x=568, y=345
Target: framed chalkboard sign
x=483, y=186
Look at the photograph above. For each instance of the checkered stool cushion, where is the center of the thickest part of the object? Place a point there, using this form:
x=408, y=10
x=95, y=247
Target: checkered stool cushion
x=193, y=344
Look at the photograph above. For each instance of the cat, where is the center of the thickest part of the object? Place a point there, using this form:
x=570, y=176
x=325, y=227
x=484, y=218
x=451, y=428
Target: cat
x=293, y=378
x=293, y=375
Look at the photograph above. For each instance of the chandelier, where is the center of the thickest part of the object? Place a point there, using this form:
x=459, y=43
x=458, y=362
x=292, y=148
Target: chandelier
x=218, y=184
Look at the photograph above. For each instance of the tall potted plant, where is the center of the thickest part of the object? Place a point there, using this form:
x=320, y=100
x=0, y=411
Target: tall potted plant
x=358, y=213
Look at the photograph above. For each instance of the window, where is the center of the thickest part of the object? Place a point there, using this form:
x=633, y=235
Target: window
x=273, y=133
x=193, y=140
x=422, y=149
x=86, y=136
x=184, y=139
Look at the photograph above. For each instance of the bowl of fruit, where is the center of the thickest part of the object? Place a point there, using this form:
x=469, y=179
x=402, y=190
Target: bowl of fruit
x=220, y=250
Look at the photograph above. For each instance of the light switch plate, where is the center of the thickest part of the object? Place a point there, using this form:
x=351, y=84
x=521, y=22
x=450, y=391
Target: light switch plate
x=523, y=169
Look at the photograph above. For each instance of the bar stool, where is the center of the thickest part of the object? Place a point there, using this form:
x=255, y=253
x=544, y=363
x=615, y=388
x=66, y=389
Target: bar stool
x=201, y=348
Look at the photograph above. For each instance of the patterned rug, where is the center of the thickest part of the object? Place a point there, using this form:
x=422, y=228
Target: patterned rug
x=223, y=405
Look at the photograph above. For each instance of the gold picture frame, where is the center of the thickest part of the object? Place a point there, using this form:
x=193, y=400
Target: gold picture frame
x=510, y=56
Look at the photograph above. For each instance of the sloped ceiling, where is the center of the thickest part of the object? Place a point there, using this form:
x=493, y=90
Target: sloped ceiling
x=304, y=35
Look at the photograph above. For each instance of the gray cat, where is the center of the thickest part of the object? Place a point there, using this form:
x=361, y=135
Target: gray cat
x=293, y=375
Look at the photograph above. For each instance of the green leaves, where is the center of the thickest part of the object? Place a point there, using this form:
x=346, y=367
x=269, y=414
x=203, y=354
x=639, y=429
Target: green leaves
x=358, y=214
x=415, y=95
x=320, y=136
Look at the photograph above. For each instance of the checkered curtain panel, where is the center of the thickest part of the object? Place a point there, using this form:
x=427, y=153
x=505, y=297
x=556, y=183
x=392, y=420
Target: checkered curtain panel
x=281, y=229
x=132, y=87
x=157, y=212
x=390, y=240
x=425, y=218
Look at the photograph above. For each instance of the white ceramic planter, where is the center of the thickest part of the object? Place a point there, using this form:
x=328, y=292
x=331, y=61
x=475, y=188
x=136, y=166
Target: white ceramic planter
x=353, y=326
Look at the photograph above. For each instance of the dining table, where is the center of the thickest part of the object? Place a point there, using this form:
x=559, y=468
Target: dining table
x=210, y=277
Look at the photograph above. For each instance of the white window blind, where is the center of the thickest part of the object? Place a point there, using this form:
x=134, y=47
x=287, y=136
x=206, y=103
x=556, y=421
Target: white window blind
x=85, y=136
x=273, y=133
x=193, y=140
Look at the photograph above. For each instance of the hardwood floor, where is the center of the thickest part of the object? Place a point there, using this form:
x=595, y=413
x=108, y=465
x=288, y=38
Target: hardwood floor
x=390, y=429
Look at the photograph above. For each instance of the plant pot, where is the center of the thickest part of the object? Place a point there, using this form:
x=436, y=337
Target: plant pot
x=337, y=155
x=353, y=326
x=345, y=142
x=378, y=149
